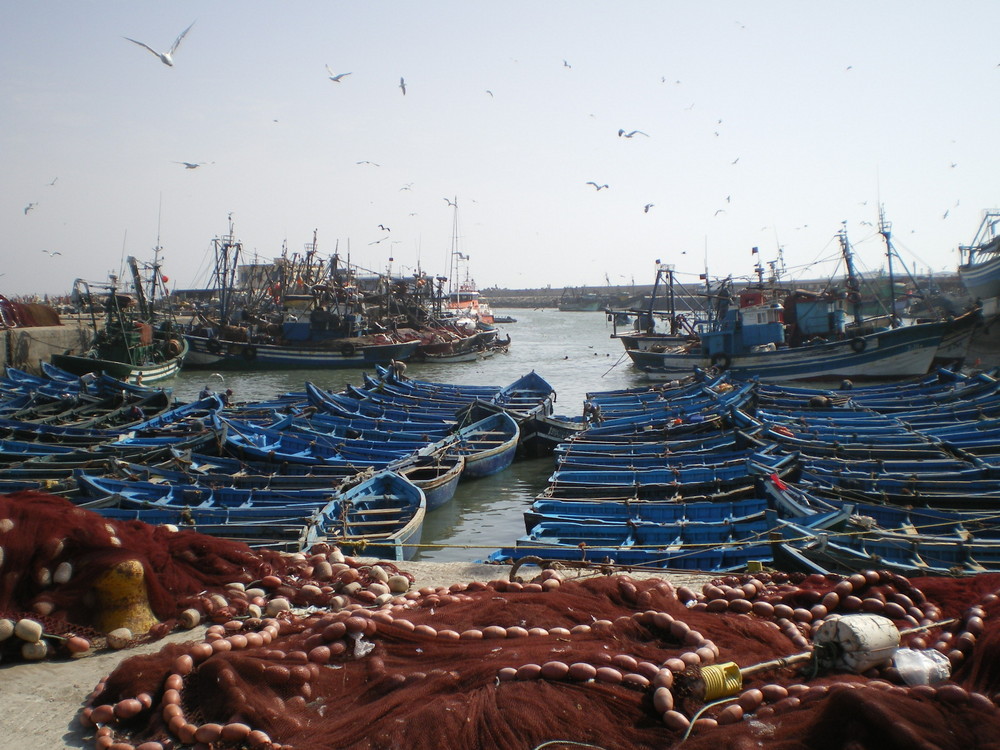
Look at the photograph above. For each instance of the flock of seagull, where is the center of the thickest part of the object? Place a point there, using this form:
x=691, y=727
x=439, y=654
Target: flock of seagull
x=167, y=58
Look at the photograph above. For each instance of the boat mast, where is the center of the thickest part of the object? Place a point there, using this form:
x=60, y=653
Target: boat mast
x=885, y=229
x=227, y=251
x=140, y=294
x=853, y=286
x=453, y=254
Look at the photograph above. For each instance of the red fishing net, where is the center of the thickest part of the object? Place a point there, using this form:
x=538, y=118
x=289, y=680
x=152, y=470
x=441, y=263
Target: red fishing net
x=608, y=662
x=53, y=555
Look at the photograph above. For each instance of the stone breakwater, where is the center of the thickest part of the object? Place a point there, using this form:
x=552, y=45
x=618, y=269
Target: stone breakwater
x=25, y=348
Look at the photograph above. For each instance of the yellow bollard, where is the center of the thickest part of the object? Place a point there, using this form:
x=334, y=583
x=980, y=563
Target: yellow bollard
x=122, y=599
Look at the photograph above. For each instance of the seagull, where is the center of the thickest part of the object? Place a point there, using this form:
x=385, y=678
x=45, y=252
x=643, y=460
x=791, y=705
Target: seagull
x=402, y=85
x=954, y=164
x=190, y=164
x=52, y=253
x=645, y=209
x=450, y=203
x=384, y=229
x=566, y=64
x=621, y=132
x=946, y=214
x=596, y=186
x=219, y=376
x=335, y=78
x=167, y=58
x=29, y=207
x=53, y=181
x=365, y=161
x=490, y=93
x=407, y=186
x=735, y=160
x=720, y=211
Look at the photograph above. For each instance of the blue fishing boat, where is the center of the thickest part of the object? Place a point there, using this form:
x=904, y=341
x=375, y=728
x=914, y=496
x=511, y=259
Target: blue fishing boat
x=616, y=511
x=763, y=332
x=255, y=443
x=436, y=474
x=106, y=491
x=677, y=481
x=380, y=516
x=488, y=446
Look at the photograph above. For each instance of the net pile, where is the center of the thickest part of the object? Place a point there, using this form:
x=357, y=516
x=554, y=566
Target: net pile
x=54, y=554
x=608, y=662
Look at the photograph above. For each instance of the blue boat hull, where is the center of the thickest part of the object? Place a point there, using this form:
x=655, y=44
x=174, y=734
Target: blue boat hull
x=894, y=353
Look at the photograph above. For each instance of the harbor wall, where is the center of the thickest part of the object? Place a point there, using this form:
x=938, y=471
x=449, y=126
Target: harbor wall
x=26, y=348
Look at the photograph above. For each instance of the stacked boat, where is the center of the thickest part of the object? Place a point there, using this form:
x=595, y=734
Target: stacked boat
x=359, y=469
x=718, y=474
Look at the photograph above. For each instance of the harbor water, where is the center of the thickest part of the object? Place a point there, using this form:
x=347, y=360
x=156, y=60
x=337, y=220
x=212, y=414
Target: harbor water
x=572, y=350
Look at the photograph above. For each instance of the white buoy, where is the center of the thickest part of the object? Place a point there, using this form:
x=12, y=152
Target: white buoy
x=855, y=642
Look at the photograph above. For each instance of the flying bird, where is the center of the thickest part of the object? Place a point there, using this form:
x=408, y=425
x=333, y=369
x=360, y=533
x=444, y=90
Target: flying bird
x=53, y=181
x=735, y=160
x=29, y=207
x=450, y=203
x=566, y=64
x=52, y=253
x=190, y=164
x=407, y=186
x=335, y=77
x=365, y=161
x=167, y=58
x=720, y=211
x=490, y=93
x=384, y=229
x=645, y=209
x=946, y=214
x=596, y=186
x=621, y=132
x=402, y=85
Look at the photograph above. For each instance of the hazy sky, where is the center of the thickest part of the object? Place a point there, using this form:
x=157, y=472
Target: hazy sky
x=768, y=124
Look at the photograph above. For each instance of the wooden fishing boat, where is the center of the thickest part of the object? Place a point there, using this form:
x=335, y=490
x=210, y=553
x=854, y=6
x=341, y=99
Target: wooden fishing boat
x=137, y=493
x=600, y=511
x=677, y=481
x=488, y=446
x=380, y=516
x=437, y=475
x=252, y=442
x=704, y=546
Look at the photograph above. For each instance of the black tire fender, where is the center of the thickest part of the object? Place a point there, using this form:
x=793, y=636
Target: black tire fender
x=721, y=360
